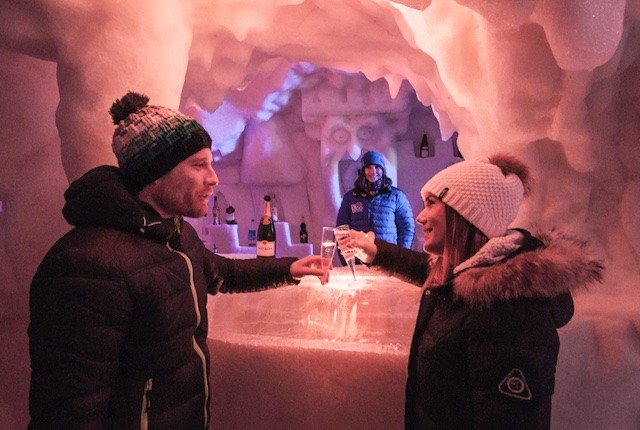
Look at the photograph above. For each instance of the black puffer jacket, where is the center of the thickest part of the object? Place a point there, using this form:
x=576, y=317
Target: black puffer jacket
x=118, y=314
x=485, y=345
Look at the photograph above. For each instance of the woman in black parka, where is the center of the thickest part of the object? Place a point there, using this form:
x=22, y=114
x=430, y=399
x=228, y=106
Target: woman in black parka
x=485, y=345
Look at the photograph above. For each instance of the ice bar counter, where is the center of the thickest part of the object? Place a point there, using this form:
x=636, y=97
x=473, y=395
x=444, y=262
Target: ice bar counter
x=335, y=357
x=312, y=356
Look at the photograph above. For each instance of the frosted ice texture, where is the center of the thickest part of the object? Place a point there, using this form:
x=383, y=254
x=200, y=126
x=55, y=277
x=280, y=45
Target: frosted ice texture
x=556, y=82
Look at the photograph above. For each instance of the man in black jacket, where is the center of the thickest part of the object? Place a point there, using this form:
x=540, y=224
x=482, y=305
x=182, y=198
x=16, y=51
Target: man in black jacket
x=118, y=325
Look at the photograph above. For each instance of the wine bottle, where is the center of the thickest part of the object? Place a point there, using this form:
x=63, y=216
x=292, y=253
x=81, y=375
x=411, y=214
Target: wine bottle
x=304, y=236
x=424, y=147
x=215, y=216
x=251, y=233
x=266, y=244
x=231, y=215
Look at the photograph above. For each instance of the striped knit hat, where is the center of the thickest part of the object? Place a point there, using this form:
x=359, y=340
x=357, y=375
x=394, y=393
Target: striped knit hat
x=486, y=193
x=149, y=141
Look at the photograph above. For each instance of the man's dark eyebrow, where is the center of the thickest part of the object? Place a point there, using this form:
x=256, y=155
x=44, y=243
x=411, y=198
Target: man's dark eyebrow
x=200, y=159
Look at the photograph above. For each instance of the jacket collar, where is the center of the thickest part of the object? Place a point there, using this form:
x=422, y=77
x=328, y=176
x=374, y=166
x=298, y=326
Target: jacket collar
x=100, y=198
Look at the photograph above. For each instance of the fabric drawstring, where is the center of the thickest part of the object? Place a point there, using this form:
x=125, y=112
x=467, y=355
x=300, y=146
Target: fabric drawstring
x=145, y=226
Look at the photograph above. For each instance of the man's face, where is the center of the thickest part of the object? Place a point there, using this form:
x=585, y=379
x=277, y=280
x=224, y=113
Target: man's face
x=372, y=172
x=185, y=189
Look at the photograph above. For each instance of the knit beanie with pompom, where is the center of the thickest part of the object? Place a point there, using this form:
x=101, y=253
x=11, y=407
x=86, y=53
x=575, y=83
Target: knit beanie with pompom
x=488, y=193
x=149, y=141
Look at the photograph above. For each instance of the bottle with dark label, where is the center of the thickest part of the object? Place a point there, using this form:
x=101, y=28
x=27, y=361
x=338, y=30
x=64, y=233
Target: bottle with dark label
x=424, y=147
x=266, y=243
x=231, y=214
x=304, y=236
x=251, y=233
x=215, y=215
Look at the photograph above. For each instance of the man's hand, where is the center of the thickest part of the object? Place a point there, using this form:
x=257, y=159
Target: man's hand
x=310, y=265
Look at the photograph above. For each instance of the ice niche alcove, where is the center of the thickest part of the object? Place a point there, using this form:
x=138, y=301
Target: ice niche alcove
x=324, y=119
x=342, y=115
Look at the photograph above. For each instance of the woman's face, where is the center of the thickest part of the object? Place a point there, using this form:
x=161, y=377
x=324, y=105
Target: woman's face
x=433, y=221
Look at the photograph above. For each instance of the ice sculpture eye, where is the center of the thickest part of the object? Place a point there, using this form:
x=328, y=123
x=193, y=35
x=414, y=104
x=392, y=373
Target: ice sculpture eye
x=340, y=135
x=365, y=133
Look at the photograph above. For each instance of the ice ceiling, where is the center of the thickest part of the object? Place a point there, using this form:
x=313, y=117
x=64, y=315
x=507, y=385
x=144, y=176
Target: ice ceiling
x=556, y=81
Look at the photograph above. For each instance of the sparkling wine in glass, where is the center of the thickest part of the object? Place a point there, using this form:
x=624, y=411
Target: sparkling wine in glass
x=347, y=254
x=327, y=246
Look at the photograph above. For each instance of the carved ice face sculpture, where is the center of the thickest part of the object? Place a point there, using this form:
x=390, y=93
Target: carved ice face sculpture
x=345, y=137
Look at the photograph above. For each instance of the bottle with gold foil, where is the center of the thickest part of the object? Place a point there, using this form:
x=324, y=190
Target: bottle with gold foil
x=266, y=238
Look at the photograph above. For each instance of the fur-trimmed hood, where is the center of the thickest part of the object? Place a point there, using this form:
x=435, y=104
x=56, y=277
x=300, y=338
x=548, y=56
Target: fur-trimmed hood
x=550, y=267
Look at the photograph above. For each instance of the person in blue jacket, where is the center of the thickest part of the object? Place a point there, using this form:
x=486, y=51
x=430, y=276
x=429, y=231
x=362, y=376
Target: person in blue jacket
x=373, y=204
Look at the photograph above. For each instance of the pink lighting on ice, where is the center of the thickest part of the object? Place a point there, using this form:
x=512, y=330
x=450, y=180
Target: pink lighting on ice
x=293, y=92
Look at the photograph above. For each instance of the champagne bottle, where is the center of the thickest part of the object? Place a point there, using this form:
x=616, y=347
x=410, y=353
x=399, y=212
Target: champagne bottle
x=215, y=216
x=251, y=233
x=231, y=215
x=304, y=236
x=266, y=245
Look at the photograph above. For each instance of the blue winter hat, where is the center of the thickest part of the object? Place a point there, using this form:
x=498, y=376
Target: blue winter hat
x=373, y=157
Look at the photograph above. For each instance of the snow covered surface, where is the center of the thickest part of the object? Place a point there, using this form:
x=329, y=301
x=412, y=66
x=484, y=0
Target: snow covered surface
x=555, y=82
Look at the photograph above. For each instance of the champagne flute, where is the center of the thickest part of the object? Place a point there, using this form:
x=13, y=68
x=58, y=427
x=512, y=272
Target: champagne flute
x=327, y=246
x=348, y=254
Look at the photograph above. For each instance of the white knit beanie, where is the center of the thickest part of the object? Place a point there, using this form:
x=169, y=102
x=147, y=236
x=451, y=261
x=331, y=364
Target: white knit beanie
x=486, y=193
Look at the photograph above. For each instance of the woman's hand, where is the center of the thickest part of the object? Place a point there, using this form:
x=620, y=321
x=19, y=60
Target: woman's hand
x=362, y=244
x=310, y=265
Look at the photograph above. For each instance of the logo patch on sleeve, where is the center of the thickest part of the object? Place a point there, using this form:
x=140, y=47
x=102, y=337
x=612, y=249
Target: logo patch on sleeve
x=515, y=385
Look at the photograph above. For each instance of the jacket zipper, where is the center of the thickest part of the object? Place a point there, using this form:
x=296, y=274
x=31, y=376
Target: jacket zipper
x=196, y=347
x=146, y=403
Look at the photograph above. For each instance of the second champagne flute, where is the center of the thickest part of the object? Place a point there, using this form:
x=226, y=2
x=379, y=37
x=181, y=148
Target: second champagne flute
x=348, y=254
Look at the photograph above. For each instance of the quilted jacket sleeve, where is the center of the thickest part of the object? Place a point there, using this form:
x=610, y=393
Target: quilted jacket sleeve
x=242, y=276
x=405, y=224
x=408, y=265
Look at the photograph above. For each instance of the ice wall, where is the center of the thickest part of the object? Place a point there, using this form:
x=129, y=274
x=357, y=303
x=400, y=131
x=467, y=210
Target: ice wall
x=554, y=81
